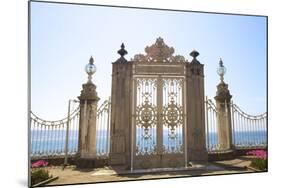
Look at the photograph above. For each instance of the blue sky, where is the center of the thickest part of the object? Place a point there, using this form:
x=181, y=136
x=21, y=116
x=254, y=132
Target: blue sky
x=63, y=37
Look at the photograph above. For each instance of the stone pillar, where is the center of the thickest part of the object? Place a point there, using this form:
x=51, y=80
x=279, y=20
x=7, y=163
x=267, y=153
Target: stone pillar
x=121, y=102
x=224, y=116
x=87, y=125
x=196, y=145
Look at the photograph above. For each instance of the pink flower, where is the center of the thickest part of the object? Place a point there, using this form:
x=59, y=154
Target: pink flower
x=258, y=153
x=39, y=163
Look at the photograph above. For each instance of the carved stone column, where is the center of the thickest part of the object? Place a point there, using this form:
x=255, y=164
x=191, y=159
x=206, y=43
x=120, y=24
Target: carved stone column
x=121, y=99
x=196, y=146
x=224, y=116
x=87, y=125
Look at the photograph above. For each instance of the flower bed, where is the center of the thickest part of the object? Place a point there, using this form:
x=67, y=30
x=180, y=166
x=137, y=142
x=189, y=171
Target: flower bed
x=38, y=173
x=40, y=163
x=259, y=160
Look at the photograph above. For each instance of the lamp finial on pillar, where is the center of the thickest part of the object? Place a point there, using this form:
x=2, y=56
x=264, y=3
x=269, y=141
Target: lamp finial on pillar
x=221, y=70
x=87, y=124
x=224, y=111
x=90, y=70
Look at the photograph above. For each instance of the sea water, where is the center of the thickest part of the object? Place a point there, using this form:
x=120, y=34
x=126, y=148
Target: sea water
x=51, y=142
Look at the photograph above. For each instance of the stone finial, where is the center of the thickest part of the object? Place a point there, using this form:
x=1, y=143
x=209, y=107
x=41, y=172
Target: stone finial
x=122, y=51
x=194, y=54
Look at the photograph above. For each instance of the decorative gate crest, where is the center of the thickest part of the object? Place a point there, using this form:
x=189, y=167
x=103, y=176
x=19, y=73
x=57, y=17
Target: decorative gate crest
x=159, y=52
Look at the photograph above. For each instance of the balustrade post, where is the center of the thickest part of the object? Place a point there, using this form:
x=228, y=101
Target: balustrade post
x=121, y=125
x=224, y=112
x=87, y=125
x=195, y=109
x=67, y=135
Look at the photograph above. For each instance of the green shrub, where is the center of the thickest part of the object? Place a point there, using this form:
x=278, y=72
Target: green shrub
x=39, y=175
x=259, y=163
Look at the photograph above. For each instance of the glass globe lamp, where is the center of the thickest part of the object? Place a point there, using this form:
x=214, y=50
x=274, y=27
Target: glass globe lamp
x=90, y=69
x=221, y=70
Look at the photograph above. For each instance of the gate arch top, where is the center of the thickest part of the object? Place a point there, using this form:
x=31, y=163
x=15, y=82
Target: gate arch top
x=159, y=52
x=159, y=60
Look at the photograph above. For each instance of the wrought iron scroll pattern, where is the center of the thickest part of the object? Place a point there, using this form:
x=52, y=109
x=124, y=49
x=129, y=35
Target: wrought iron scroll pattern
x=146, y=116
x=172, y=115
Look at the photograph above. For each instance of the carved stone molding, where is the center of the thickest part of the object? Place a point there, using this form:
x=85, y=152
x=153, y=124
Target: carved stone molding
x=223, y=93
x=88, y=93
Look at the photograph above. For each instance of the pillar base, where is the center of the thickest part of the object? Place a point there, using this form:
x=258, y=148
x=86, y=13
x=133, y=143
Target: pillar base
x=85, y=163
x=198, y=155
x=117, y=159
x=222, y=155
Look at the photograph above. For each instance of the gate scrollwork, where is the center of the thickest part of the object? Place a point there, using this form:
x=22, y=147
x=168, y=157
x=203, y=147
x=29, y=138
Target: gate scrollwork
x=146, y=116
x=172, y=115
x=146, y=113
x=149, y=120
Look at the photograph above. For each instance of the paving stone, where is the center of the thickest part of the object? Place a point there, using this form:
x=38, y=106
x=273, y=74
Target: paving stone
x=71, y=175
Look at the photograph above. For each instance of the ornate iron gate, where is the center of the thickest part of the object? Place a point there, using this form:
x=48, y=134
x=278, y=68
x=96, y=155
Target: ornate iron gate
x=159, y=115
x=159, y=121
x=157, y=108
